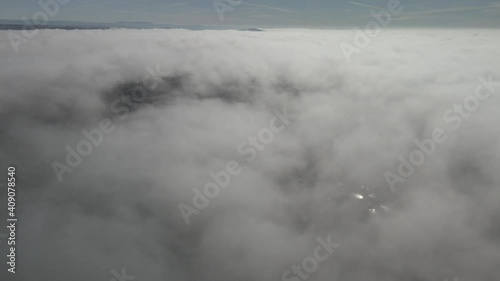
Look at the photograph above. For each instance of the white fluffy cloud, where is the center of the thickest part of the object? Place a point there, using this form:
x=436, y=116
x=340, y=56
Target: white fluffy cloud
x=119, y=207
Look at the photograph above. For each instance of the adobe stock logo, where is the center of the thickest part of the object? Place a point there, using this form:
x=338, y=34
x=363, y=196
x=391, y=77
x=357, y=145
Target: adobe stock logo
x=454, y=117
x=372, y=29
x=121, y=276
x=249, y=149
x=93, y=138
x=310, y=264
x=50, y=9
x=223, y=6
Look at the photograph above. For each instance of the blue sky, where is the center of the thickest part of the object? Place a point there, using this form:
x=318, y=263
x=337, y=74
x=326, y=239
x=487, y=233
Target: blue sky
x=288, y=13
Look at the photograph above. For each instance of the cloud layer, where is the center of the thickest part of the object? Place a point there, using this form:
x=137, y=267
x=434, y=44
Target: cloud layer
x=119, y=207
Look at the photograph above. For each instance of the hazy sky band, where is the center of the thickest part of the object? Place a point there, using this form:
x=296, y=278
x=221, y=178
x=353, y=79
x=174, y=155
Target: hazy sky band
x=287, y=13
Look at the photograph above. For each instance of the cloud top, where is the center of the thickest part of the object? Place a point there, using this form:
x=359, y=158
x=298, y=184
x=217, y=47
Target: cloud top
x=214, y=89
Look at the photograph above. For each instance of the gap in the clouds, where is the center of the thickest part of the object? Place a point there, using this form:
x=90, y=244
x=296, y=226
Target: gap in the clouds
x=130, y=96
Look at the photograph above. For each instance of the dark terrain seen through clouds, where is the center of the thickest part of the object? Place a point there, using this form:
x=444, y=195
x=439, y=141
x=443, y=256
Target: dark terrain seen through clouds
x=116, y=133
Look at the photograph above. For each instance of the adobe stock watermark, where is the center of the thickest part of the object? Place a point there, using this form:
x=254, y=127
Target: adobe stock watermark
x=94, y=137
x=223, y=6
x=454, y=116
x=310, y=264
x=362, y=38
x=49, y=9
x=248, y=148
x=122, y=276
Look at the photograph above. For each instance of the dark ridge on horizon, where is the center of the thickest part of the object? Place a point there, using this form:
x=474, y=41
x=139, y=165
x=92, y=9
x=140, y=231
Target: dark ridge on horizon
x=74, y=25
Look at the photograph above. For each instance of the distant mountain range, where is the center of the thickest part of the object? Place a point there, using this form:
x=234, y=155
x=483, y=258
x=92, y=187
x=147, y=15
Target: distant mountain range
x=70, y=25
